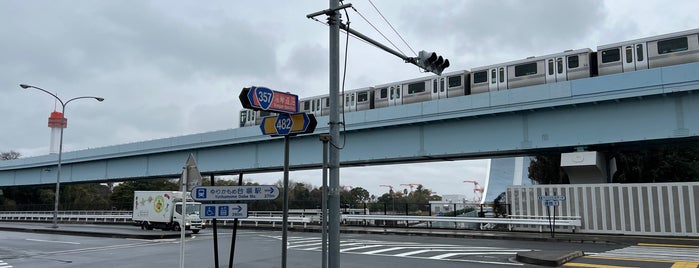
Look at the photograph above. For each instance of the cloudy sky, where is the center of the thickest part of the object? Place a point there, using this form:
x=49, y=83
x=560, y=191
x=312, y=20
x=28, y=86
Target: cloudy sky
x=172, y=67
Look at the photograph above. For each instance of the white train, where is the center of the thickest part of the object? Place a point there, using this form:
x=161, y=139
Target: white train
x=628, y=56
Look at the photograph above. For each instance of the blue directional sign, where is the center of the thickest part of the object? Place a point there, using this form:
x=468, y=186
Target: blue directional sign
x=288, y=124
x=224, y=211
x=262, y=98
x=234, y=193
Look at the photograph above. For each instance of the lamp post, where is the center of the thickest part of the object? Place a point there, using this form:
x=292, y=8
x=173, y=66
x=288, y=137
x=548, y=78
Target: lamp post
x=60, y=144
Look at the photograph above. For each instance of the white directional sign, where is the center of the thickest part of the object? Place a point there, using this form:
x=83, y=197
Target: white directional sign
x=234, y=193
x=552, y=197
x=224, y=211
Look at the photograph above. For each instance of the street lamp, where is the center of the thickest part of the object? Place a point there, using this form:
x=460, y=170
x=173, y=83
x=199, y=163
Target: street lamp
x=60, y=144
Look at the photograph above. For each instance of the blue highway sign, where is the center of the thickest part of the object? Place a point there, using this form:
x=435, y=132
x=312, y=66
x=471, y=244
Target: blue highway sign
x=224, y=211
x=234, y=193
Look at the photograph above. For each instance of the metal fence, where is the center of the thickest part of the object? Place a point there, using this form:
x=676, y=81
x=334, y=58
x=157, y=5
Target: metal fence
x=668, y=209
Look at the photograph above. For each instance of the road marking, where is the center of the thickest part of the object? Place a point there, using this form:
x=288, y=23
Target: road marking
x=439, y=252
x=52, y=241
x=667, y=245
x=575, y=264
x=685, y=265
x=3, y=264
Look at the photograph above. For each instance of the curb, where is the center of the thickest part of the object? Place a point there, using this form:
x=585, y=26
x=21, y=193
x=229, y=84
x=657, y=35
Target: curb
x=548, y=258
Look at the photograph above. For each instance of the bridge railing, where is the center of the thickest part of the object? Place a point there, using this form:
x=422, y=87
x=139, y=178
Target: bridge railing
x=304, y=217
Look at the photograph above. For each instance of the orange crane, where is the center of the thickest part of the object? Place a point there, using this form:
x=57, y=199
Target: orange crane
x=389, y=187
x=477, y=189
x=411, y=185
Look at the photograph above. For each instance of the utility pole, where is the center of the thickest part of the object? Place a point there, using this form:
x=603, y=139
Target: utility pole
x=334, y=152
x=429, y=61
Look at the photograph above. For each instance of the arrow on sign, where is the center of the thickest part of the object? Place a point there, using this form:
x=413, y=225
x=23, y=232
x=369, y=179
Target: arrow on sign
x=238, y=208
x=270, y=190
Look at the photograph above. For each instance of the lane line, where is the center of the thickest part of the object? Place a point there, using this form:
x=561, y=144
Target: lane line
x=685, y=265
x=667, y=245
x=577, y=264
x=52, y=241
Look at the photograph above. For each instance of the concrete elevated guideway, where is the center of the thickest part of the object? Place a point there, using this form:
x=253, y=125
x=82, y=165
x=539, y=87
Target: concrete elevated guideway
x=656, y=105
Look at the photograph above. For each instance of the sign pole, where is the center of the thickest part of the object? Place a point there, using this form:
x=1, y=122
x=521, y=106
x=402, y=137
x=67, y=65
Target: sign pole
x=215, y=230
x=235, y=228
x=324, y=202
x=285, y=217
x=183, y=213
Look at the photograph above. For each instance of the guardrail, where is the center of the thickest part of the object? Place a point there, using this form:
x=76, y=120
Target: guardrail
x=304, y=218
x=510, y=222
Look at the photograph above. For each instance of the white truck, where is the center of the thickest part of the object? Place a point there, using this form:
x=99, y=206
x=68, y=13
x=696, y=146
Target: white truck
x=163, y=210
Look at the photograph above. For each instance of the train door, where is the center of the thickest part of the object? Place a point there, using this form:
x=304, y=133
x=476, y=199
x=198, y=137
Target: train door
x=351, y=102
x=395, y=95
x=498, y=79
x=556, y=70
x=315, y=107
x=439, y=88
x=635, y=57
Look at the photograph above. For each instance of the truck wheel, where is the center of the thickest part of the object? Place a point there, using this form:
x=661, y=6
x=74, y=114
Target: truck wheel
x=176, y=227
x=195, y=231
x=147, y=226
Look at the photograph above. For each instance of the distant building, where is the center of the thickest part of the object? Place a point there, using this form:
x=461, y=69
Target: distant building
x=448, y=204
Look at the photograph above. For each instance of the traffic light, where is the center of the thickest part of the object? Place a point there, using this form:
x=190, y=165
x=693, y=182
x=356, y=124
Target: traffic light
x=431, y=62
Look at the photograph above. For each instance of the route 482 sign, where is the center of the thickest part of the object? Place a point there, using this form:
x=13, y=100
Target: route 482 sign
x=288, y=124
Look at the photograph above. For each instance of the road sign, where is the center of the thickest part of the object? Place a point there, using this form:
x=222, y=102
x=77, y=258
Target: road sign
x=288, y=124
x=234, y=193
x=551, y=203
x=552, y=197
x=262, y=98
x=224, y=211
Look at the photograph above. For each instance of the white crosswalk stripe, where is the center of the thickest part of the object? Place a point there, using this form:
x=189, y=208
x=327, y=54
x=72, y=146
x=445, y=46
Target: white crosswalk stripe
x=405, y=249
x=654, y=252
x=3, y=264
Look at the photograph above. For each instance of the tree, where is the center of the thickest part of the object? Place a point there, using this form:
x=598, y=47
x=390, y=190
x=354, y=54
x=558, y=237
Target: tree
x=9, y=155
x=122, y=195
x=546, y=169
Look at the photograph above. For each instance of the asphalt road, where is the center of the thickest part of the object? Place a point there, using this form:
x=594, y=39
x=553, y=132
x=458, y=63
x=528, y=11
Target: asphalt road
x=261, y=248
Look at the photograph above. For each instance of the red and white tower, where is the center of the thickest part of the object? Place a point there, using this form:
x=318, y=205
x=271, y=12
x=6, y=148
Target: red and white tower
x=56, y=123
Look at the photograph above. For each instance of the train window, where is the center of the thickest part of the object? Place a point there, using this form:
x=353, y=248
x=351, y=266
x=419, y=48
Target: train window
x=352, y=101
x=306, y=105
x=416, y=87
x=525, y=69
x=672, y=45
x=559, y=65
x=493, y=77
x=610, y=55
x=480, y=77
x=454, y=81
x=441, y=84
x=327, y=102
x=573, y=62
x=265, y=113
x=384, y=93
x=502, y=75
x=434, y=85
x=550, y=67
x=629, y=54
x=639, y=52
x=362, y=96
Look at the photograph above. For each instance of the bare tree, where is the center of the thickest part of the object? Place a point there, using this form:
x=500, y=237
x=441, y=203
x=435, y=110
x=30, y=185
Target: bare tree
x=9, y=155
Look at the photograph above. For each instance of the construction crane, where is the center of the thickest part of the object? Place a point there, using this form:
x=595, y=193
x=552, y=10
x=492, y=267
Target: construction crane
x=477, y=190
x=411, y=185
x=389, y=187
